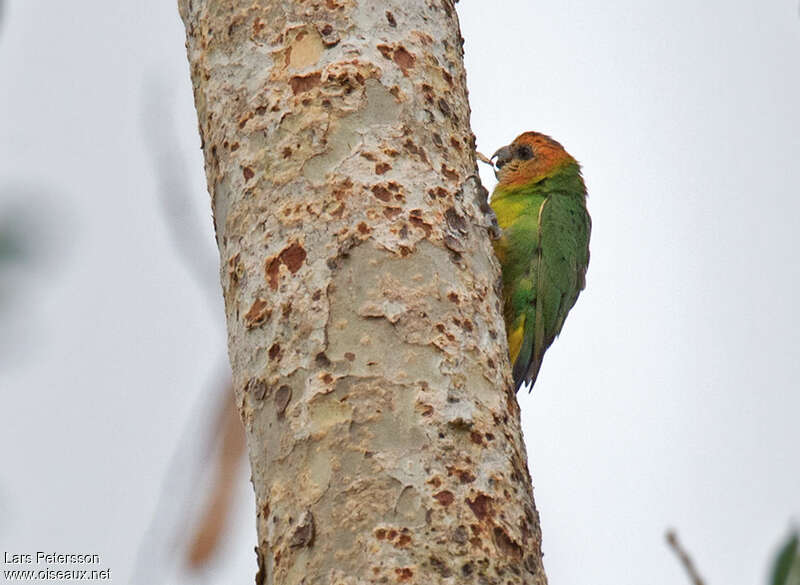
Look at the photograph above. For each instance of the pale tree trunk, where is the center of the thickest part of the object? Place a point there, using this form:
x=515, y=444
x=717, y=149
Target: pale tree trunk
x=365, y=332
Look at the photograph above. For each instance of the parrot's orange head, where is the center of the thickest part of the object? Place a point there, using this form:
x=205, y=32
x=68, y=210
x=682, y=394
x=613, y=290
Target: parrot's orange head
x=530, y=158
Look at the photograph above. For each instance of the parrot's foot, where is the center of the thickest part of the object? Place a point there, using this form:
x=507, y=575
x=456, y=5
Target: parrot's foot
x=484, y=159
x=482, y=202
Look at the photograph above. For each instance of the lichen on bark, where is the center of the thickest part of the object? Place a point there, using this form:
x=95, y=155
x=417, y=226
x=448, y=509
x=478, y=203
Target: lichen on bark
x=365, y=330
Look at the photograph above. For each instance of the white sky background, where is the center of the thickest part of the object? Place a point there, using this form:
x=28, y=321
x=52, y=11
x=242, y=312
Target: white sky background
x=671, y=398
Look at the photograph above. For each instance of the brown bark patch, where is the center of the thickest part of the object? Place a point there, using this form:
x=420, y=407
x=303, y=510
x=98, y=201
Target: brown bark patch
x=292, y=257
x=464, y=475
x=258, y=313
x=236, y=270
x=304, y=533
x=243, y=119
x=440, y=192
x=338, y=211
x=391, y=212
x=282, y=398
x=506, y=544
x=403, y=541
x=261, y=575
x=382, y=193
x=414, y=149
x=256, y=387
x=449, y=173
x=274, y=351
x=440, y=567
x=404, y=573
x=444, y=497
x=461, y=536
x=248, y=173
x=420, y=223
x=404, y=59
x=272, y=272
x=386, y=51
x=303, y=83
x=481, y=506
x=444, y=108
x=400, y=55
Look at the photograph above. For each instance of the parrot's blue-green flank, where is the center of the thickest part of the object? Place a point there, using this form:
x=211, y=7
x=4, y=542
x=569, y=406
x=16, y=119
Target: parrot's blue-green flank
x=540, y=203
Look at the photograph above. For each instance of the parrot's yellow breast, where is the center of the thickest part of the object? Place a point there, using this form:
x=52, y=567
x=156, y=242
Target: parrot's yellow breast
x=507, y=209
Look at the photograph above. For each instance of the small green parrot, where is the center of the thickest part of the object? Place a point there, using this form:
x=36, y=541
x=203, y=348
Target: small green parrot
x=540, y=203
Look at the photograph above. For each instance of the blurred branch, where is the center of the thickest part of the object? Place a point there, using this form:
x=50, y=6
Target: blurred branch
x=174, y=190
x=683, y=556
x=215, y=516
x=167, y=532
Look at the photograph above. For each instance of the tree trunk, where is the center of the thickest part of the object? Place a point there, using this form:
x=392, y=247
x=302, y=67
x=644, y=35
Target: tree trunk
x=364, y=326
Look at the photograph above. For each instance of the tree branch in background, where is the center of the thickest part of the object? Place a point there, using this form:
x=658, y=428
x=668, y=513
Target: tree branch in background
x=175, y=193
x=217, y=511
x=683, y=556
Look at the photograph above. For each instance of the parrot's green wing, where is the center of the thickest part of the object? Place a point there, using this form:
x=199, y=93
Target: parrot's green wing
x=560, y=266
x=544, y=253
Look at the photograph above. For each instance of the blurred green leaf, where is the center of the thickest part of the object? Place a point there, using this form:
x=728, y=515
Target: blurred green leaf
x=786, y=570
x=11, y=247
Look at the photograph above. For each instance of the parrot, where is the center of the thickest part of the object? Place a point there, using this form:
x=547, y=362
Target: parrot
x=543, y=247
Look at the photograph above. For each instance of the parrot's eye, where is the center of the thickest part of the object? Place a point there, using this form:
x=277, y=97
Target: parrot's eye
x=524, y=152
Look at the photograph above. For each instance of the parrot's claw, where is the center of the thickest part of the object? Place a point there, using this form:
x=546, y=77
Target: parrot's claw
x=482, y=201
x=484, y=159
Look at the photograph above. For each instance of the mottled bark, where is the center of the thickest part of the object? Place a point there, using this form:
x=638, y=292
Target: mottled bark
x=365, y=330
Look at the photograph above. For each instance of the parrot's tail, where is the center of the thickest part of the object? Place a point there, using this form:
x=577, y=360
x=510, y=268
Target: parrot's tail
x=525, y=372
x=532, y=348
x=533, y=371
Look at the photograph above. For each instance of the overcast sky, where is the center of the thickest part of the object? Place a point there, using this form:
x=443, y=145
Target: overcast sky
x=670, y=399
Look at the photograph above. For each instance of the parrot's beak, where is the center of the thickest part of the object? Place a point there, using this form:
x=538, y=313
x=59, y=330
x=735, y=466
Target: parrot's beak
x=503, y=156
